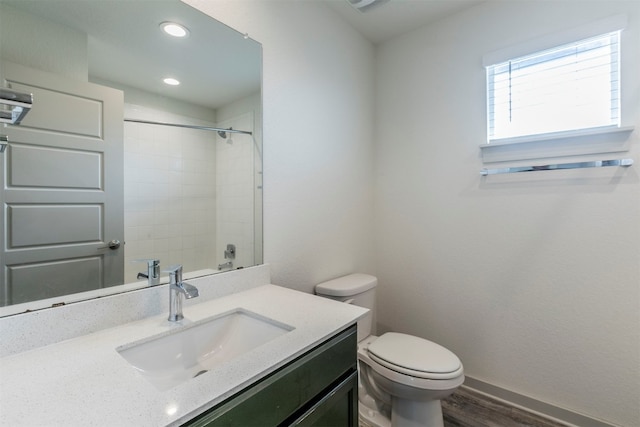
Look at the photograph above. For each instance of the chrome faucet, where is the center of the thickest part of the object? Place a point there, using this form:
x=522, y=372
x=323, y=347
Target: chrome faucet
x=177, y=288
x=153, y=271
x=227, y=264
x=230, y=254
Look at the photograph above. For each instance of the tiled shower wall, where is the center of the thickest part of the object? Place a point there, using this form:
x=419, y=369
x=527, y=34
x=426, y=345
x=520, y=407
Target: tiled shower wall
x=170, y=190
x=235, y=190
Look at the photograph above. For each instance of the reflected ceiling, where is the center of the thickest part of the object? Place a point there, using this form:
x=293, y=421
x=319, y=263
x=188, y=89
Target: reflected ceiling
x=236, y=75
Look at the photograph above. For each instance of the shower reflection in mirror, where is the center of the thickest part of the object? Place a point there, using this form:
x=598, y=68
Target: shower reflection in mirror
x=173, y=210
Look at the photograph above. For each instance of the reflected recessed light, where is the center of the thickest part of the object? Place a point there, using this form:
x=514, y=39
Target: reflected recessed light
x=171, y=81
x=173, y=29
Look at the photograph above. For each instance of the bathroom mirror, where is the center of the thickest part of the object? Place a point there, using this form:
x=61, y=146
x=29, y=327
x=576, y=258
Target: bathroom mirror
x=79, y=222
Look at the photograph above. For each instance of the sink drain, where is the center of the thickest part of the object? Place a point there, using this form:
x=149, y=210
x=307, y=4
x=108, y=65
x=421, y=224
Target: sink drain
x=200, y=373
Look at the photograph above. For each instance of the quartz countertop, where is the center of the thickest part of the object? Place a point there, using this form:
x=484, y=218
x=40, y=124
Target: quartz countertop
x=85, y=381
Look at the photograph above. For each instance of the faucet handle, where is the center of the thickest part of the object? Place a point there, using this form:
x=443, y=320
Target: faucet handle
x=175, y=273
x=150, y=262
x=153, y=270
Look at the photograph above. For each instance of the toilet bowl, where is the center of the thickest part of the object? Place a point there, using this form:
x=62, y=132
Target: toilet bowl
x=401, y=377
x=410, y=375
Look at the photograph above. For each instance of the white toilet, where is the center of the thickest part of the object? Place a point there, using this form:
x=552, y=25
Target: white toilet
x=401, y=377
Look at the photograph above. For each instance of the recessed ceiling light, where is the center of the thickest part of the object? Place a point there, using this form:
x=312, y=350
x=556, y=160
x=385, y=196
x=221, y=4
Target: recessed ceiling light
x=175, y=30
x=171, y=81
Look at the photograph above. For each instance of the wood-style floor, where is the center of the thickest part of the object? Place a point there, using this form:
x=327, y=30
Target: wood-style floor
x=466, y=408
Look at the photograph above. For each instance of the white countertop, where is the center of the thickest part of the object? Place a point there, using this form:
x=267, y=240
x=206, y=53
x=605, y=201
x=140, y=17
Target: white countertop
x=84, y=381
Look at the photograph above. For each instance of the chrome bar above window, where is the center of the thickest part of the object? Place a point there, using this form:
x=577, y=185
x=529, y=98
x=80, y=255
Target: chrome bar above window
x=15, y=105
x=4, y=142
x=577, y=165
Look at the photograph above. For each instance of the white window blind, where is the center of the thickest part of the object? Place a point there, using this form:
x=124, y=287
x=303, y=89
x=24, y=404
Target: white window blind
x=571, y=87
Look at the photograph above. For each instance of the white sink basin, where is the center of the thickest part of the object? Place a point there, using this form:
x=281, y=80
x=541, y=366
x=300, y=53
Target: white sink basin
x=168, y=360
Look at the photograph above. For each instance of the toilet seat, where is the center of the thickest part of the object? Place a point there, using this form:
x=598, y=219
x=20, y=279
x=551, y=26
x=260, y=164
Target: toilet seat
x=415, y=357
x=411, y=380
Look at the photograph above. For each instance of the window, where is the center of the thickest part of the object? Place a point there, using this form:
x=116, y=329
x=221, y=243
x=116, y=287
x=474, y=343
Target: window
x=570, y=87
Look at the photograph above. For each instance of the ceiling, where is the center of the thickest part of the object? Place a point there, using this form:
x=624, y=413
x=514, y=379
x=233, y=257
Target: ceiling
x=389, y=19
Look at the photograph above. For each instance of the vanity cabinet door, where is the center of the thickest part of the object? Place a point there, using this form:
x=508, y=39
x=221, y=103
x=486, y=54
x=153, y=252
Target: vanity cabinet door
x=338, y=408
x=319, y=386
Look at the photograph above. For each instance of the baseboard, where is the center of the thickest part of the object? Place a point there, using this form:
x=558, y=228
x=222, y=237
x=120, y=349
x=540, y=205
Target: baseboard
x=532, y=405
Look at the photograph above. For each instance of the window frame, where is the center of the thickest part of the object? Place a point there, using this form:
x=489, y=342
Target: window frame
x=503, y=100
x=562, y=143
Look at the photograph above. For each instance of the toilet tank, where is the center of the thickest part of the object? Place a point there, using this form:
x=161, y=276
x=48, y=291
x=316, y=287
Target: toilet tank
x=357, y=289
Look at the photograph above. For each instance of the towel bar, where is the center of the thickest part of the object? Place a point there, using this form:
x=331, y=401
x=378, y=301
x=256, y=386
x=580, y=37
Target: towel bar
x=578, y=165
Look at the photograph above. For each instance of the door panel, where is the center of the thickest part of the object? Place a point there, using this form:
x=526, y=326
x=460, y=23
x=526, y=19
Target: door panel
x=37, y=166
x=50, y=279
x=39, y=225
x=80, y=115
x=62, y=189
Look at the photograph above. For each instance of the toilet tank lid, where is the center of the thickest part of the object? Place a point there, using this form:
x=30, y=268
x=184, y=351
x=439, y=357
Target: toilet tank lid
x=345, y=286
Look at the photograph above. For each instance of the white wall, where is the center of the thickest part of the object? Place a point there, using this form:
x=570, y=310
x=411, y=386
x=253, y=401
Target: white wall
x=532, y=279
x=318, y=131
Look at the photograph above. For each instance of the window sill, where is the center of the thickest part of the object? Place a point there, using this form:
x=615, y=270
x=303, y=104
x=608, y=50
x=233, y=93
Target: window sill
x=611, y=139
x=558, y=135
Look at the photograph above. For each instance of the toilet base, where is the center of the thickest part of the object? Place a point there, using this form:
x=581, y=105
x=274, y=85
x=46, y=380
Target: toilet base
x=404, y=413
x=368, y=417
x=410, y=413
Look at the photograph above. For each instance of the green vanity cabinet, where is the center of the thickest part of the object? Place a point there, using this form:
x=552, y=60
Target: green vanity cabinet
x=319, y=388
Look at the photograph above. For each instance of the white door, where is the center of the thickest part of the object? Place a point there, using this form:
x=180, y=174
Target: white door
x=61, y=189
